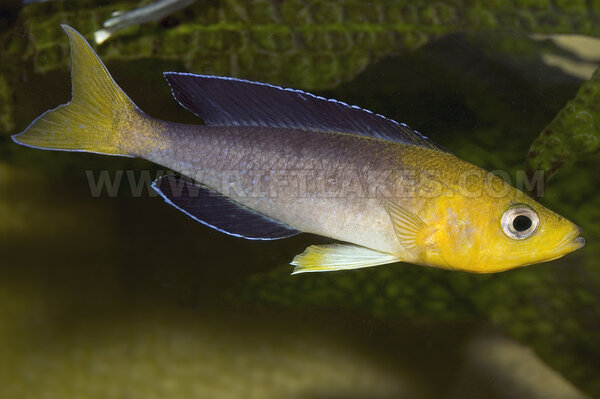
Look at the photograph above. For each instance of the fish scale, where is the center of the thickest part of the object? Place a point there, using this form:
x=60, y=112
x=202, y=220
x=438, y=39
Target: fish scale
x=260, y=149
x=240, y=174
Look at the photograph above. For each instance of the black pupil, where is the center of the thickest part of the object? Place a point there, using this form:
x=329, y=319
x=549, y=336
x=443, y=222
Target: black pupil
x=521, y=223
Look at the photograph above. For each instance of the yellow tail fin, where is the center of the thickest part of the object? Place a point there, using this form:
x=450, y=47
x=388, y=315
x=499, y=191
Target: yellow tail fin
x=91, y=121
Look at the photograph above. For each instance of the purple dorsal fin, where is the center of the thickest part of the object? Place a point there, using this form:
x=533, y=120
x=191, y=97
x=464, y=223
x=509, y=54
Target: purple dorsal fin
x=222, y=101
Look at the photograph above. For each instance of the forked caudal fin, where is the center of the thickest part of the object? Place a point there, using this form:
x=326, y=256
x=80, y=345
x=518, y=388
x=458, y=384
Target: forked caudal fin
x=90, y=121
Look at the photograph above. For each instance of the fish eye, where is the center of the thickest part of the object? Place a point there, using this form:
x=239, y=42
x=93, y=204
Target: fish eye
x=520, y=222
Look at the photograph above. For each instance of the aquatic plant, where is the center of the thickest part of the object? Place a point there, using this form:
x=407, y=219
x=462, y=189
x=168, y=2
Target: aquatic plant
x=71, y=267
x=573, y=135
x=302, y=44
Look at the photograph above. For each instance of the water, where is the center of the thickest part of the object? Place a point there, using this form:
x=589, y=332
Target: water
x=116, y=296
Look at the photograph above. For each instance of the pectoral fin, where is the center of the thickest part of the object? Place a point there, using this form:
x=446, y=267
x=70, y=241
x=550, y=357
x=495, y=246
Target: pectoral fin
x=325, y=258
x=407, y=225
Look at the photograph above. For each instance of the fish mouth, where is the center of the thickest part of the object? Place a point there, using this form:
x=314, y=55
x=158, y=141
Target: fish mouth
x=572, y=242
x=579, y=242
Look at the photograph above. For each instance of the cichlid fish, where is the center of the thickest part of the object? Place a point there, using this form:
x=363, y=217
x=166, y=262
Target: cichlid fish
x=270, y=163
x=149, y=12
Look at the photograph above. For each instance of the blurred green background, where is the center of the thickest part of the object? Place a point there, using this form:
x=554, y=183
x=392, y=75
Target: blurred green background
x=125, y=297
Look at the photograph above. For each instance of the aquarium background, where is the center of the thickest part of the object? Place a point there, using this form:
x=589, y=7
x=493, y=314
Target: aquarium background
x=117, y=295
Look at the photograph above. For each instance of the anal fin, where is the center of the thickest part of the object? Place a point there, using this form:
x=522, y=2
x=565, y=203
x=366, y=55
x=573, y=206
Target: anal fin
x=219, y=212
x=324, y=258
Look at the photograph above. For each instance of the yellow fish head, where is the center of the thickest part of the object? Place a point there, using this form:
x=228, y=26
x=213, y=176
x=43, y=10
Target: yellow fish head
x=487, y=235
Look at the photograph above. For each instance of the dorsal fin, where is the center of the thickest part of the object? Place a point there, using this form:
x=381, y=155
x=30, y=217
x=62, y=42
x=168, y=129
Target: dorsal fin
x=222, y=101
x=219, y=212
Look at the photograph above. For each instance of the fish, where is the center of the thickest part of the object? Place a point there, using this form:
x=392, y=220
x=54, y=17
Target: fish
x=150, y=12
x=269, y=163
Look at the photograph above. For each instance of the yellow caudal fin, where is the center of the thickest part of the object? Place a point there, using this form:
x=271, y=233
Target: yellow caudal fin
x=90, y=121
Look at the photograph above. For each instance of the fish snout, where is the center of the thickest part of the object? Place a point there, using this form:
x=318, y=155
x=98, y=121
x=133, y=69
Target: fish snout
x=577, y=241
